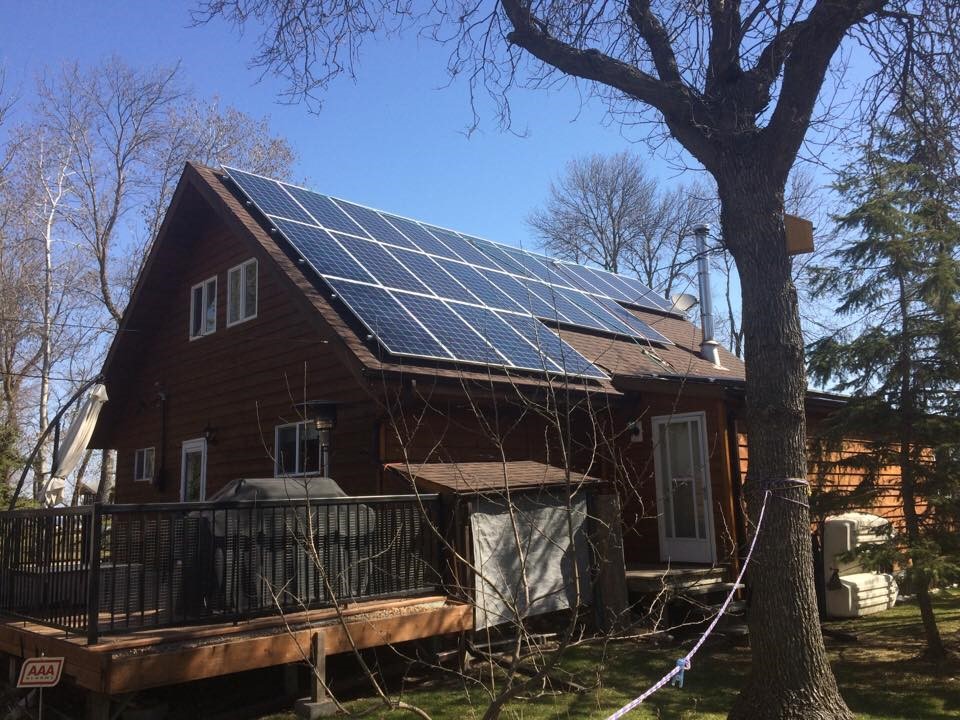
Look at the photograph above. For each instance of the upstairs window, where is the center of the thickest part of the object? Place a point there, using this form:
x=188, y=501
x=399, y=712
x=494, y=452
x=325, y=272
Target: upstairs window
x=203, y=308
x=242, y=292
x=143, y=464
x=302, y=448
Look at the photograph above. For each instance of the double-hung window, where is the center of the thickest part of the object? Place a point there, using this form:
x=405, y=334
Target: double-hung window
x=143, y=464
x=242, y=292
x=203, y=308
x=302, y=448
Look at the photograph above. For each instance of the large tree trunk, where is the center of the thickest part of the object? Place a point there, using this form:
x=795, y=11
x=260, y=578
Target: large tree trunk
x=790, y=674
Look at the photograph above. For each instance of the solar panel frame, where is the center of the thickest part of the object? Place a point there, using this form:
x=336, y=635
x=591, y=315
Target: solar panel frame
x=501, y=259
x=590, y=305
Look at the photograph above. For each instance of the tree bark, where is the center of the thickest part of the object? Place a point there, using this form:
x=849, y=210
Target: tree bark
x=790, y=674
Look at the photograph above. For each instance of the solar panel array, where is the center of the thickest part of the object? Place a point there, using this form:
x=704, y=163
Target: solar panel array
x=427, y=292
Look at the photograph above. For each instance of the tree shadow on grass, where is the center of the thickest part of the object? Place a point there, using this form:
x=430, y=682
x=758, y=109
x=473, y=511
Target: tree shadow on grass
x=907, y=689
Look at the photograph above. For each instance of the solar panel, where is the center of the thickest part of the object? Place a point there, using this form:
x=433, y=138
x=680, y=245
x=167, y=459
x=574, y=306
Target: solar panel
x=464, y=250
x=569, y=360
x=270, y=197
x=420, y=237
x=487, y=292
x=433, y=276
x=380, y=263
x=523, y=295
x=375, y=225
x=519, y=351
x=322, y=251
x=392, y=325
x=324, y=211
x=451, y=330
x=640, y=328
x=429, y=292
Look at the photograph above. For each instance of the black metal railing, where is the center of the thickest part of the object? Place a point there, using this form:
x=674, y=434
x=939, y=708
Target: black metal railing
x=110, y=568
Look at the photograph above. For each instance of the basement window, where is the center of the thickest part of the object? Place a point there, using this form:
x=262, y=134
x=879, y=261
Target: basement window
x=203, y=308
x=302, y=448
x=143, y=464
x=242, y=292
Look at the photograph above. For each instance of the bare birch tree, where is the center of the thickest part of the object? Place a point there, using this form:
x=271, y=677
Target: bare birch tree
x=129, y=132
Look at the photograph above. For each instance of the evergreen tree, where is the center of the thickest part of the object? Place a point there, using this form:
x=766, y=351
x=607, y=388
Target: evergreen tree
x=898, y=276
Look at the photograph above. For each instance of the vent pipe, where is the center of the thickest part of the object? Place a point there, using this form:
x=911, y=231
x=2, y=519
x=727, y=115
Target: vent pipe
x=709, y=347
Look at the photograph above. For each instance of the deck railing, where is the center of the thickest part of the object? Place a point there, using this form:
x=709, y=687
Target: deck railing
x=112, y=568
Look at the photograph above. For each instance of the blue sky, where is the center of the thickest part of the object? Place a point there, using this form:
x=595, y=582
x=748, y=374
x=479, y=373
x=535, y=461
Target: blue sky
x=394, y=139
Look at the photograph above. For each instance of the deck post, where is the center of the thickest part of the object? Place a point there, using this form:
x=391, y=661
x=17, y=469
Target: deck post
x=97, y=706
x=610, y=588
x=93, y=576
x=318, y=704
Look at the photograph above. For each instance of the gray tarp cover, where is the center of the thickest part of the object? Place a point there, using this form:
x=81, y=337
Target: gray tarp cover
x=541, y=523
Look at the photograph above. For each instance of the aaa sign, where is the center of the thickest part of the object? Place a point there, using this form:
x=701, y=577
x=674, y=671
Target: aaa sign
x=40, y=672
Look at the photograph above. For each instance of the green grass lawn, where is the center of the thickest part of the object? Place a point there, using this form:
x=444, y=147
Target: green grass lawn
x=879, y=675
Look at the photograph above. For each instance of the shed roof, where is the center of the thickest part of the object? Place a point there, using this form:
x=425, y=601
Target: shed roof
x=472, y=478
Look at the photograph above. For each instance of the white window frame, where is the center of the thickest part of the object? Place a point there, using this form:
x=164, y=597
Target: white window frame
x=192, y=446
x=147, y=452
x=242, y=269
x=204, y=300
x=278, y=471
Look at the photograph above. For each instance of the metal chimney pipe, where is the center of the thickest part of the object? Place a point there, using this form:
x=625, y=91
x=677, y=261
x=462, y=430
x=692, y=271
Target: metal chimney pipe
x=709, y=347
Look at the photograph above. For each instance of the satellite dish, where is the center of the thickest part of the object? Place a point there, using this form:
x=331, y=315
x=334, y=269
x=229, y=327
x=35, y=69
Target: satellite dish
x=683, y=302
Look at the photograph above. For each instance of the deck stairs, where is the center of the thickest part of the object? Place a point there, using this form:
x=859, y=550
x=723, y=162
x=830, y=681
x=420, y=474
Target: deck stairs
x=690, y=594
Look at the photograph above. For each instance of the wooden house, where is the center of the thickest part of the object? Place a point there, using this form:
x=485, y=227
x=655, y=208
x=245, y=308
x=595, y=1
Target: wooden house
x=237, y=358
x=279, y=334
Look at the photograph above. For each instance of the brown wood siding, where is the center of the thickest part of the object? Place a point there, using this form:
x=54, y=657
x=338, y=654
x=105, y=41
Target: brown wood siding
x=827, y=471
x=637, y=482
x=241, y=381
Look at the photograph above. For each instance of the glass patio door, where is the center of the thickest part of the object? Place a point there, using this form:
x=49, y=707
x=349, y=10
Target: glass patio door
x=193, y=471
x=683, y=489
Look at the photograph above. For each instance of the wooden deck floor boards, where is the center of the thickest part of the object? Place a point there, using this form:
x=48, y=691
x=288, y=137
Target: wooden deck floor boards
x=152, y=658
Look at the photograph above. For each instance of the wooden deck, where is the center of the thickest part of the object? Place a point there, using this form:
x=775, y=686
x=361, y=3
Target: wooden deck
x=155, y=658
x=653, y=579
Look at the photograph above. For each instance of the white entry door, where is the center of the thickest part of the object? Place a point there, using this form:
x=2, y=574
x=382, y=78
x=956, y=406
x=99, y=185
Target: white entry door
x=193, y=471
x=683, y=489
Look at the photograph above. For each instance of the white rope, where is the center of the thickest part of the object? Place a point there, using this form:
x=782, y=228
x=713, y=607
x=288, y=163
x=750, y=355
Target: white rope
x=684, y=663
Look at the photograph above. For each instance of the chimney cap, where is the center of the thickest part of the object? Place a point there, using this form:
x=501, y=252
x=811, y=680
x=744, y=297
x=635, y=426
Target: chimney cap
x=701, y=229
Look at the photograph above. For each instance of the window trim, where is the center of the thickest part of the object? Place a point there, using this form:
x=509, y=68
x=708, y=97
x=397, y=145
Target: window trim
x=321, y=469
x=241, y=268
x=153, y=463
x=203, y=302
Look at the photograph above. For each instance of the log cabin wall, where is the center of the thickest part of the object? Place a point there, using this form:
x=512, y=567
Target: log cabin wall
x=454, y=429
x=240, y=381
